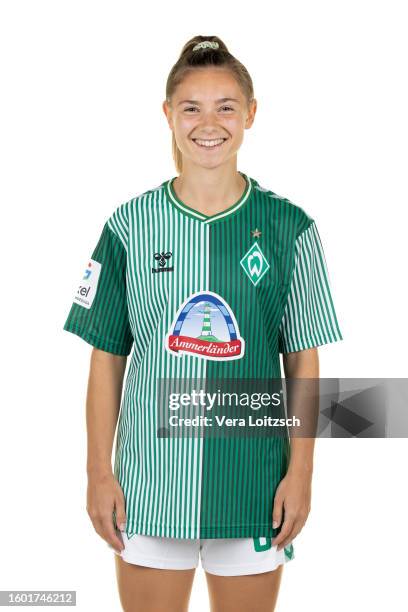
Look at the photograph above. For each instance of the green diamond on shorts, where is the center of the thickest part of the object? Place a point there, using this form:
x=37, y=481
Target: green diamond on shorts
x=289, y=551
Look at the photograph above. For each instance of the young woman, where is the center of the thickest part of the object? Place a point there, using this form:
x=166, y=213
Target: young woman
x=209, y=277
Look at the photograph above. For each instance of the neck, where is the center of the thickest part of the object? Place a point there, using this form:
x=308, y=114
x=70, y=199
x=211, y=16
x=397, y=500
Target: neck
x=209, y=192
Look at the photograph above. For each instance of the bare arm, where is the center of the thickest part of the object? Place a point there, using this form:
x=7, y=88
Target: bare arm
x=102, y=410
x=293, y=496
x=301, y=364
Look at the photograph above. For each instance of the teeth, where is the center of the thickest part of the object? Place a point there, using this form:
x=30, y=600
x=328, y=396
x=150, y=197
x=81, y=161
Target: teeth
x=209, y=143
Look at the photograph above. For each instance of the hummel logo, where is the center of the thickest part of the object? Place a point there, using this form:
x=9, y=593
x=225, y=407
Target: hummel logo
x=162, y=259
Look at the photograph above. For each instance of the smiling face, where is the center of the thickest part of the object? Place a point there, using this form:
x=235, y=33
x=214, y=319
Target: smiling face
x=208, y=115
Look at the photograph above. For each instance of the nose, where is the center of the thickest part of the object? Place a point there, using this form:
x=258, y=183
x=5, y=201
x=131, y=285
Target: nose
x=208, y=127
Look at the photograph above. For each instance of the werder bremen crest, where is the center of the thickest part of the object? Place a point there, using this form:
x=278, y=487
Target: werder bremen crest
x=255, y=263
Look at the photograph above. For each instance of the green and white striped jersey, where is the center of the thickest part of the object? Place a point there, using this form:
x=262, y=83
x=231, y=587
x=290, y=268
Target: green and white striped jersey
x=205, y=298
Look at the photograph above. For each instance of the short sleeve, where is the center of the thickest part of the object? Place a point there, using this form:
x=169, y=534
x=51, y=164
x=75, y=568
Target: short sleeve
x=309, y=318
x=99, y=312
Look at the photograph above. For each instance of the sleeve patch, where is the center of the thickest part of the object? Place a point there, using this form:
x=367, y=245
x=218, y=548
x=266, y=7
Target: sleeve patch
x=89, y=283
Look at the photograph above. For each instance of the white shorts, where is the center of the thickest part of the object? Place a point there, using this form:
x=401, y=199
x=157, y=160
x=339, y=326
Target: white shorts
x=221, y=556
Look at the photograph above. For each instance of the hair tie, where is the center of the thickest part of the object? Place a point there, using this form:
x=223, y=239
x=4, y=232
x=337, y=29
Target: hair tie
x=206, y=43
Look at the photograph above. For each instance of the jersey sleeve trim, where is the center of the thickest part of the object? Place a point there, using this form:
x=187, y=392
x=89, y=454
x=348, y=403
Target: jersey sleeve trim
x=97, y=341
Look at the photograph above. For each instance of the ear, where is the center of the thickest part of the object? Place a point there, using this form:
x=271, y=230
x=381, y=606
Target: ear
x=167, y=112
x=251, y=113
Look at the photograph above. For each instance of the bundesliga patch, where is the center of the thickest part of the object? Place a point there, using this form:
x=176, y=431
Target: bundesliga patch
x=205, y=326
x=89, y=283
x=255, y=263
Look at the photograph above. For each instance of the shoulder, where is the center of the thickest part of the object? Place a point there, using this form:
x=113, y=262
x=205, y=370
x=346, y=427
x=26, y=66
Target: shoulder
x=118, y=221
x=289, y=213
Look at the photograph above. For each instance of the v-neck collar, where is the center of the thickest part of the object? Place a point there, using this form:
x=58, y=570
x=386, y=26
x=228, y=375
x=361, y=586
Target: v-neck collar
x=206, y=219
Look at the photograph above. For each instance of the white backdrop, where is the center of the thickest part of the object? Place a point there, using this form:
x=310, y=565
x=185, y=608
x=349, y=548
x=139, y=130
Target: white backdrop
x=82, y=131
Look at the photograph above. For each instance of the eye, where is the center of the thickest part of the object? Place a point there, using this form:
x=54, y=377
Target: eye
x=193, y=108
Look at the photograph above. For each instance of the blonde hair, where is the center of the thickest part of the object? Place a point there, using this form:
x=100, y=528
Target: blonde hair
x=205, y=56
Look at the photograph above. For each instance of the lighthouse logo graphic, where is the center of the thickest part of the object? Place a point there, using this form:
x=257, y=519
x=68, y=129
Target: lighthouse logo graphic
x=205, y=326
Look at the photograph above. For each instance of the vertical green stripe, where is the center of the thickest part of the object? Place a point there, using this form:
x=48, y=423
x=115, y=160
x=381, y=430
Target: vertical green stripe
x=160, y=476
x=240, y=474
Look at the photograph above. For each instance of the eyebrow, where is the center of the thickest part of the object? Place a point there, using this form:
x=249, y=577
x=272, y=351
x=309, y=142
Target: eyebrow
x=216, y=101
